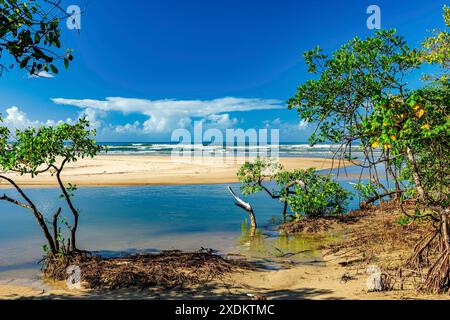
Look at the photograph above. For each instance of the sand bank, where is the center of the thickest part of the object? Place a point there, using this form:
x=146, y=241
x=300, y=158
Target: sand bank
x=106, y=170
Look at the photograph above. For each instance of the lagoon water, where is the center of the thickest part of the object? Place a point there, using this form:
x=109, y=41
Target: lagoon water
x=119, y=220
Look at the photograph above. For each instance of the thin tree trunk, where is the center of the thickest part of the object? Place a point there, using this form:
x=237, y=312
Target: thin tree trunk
x=284, y=211
x=415, y=172
x=73, y=229
x=394, y=176
x=380, y=196
x=36, y=213
x=445, y=229
x=55, y=229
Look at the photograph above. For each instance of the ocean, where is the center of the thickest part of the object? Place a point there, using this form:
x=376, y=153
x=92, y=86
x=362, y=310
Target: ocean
x=160, y=149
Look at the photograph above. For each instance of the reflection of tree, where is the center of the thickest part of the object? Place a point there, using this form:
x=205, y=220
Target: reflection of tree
x=260, y=245
x=253, y=239
x=289, y=246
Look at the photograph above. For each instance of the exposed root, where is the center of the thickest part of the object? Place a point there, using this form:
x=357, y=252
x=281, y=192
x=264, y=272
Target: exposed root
x=307, y=225
x=378, y=239
x=420, y=257
x=438, y=277
x=320, y=224
x=437, y=243
x=166, y=269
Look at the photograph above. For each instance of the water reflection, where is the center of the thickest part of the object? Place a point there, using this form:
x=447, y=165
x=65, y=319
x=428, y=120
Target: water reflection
x=276, y=247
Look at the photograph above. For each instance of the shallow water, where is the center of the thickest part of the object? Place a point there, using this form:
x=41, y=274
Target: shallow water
x=119, y=220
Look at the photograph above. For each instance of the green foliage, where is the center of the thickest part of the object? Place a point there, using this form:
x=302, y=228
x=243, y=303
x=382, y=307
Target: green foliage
x=252, y=174
x=354, y=101
x=430, y=143
x=321, y=196
x=360, y=97
x=350, y=83
x=305, y=191
x=365, y=191
x=396, y=124
x=436, y=47
x=33, y=151
x=4, y=134
x=38, y=149
x=45, y=249
x=30, y=33
x=70, y=191
x=405, y=220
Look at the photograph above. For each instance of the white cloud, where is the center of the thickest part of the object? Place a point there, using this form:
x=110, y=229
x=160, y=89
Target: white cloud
x=94, y=116
x=17, y=119
x=128, y=128
x=42, y=74
x=303, y=124
x=168, y=114
x=286, y=127
x=220, y=121
x=163, y=115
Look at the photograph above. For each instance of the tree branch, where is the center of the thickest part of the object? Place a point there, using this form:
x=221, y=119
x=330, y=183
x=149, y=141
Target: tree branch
x=244, y=205
x=17, y=202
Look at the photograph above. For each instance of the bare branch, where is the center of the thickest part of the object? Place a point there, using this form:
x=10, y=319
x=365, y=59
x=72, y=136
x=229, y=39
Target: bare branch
x=14, y=201
x=246, y=206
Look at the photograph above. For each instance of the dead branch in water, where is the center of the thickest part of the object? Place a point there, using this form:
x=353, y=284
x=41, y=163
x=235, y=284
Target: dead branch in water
x=246, y=206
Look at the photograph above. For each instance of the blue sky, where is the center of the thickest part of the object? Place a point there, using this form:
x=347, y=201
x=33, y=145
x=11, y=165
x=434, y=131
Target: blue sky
x=145, y=68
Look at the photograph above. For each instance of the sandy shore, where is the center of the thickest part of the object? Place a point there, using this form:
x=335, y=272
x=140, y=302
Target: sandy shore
x=321, y=281
x=312, y=281
x=330, y=275
x=116, y=170
x=303, y=282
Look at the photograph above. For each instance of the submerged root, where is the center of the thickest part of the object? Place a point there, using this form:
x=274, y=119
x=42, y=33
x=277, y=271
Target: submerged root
x=166, y=269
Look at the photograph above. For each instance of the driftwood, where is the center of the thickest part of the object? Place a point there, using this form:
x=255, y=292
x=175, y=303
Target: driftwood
x=246, y=206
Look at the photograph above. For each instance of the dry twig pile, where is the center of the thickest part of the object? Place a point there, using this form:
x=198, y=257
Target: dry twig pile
x=167, y=269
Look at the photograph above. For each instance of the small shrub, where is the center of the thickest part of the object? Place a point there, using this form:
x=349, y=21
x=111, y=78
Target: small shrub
x=304, y=192
x=321, y=196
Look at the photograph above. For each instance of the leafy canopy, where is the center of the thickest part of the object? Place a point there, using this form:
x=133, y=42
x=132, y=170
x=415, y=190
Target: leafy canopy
x=306, y=192
x=38, y=149
x=321, y=196
x=436, y=47
x=360, y=99
x=30, y=34
x=252, y=174
x=351, y=82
